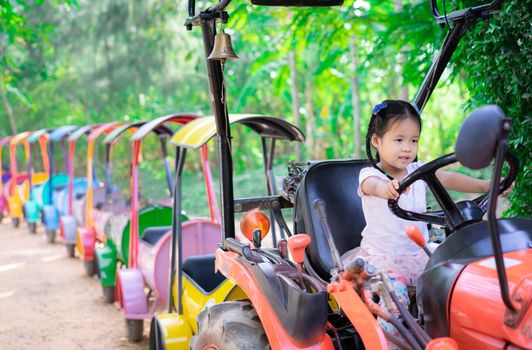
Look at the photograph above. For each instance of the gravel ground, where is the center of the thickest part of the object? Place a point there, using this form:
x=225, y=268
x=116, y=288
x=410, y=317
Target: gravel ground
x=47, y=302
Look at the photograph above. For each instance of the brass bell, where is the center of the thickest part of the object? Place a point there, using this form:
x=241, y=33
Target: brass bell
x=223, y=49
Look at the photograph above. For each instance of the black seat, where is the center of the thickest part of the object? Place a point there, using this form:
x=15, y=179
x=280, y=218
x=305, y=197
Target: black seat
x=152, y=235
x=336, y=183
x=200, y=269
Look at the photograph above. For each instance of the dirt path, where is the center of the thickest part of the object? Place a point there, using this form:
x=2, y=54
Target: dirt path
x=47, y=302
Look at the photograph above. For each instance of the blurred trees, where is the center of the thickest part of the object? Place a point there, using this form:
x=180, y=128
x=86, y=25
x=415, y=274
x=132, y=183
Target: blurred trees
x=81, y=61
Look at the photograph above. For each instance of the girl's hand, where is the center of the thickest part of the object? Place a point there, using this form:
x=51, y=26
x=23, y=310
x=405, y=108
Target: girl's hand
x=388, y=190
x=508, y=190
x=505, y=193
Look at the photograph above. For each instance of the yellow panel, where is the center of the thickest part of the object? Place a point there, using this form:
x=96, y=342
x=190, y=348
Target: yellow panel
x=15, y=204
x=38, y=178
x=196, y=133
x=195, y=300
x=175, y=330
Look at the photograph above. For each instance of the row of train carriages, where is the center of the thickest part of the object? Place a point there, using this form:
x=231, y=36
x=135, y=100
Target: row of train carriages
x=145, y=257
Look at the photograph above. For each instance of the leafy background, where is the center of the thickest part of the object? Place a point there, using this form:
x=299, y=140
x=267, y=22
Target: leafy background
x=80, y=61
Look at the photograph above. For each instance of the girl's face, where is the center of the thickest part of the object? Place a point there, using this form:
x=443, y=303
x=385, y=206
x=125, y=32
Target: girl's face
x=398, y=146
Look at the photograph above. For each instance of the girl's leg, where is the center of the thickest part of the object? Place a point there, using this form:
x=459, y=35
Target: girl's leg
x=400, y=288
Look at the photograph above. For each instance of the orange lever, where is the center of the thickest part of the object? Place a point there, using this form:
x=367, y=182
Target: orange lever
x=415, y=235
x=412, y=231
x=297, y=245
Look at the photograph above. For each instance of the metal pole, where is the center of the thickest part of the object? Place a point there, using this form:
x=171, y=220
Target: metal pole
x=438, y=66
x=267, y=156
x=217, y=88
x=51, y=169
x=169, y=179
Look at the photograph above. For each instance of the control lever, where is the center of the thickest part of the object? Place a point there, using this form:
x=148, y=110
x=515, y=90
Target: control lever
x=257, y=238
x=282, y=246
x=360, y=269
x=412, y=231
x=297, y=245
x=319, y=206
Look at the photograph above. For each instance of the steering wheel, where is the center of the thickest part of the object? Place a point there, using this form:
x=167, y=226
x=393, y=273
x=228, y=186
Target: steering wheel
x=453, y=215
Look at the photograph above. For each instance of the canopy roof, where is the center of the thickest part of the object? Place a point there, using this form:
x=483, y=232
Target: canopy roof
x=181, y=118
x=4, y=140
x=20, y=137
x=84, y=130
x=104, y=129
x=160, y=130
x=198, y=132
x=62, y=131
x=37, y=134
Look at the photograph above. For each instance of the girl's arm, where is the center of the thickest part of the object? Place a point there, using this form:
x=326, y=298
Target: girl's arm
x=373, y=186
x=462, y=183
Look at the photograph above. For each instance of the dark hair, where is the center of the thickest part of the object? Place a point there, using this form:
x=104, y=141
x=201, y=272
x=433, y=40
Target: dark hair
x=383, y=115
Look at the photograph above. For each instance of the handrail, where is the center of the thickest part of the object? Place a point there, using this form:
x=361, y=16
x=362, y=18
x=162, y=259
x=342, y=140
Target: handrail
x=219, y=7
x=476, y=9
x=463, y=20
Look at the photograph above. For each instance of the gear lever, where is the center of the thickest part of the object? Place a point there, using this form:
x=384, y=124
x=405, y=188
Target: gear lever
x=282, y=245
x=412, y=231
x=257, y=238
x=297, y=245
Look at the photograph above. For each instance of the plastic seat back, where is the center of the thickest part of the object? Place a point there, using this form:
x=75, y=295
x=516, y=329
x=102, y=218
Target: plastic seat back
x=336, y=183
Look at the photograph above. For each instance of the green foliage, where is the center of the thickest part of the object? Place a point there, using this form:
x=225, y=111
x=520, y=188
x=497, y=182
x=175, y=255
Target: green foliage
x=495, y=58
x=81, y=62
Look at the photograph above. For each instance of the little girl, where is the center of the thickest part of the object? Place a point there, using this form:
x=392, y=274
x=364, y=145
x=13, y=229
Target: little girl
x=394, y=130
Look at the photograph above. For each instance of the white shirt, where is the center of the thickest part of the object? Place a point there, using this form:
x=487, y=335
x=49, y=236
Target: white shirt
x=384, y=232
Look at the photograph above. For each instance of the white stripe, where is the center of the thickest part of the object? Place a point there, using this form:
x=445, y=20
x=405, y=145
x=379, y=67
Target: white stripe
x=7, y=294
x=11, y=266
x=52, y=258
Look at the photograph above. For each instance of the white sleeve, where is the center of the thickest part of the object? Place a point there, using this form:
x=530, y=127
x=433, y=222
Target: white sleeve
x=363, y=175
x=413, y=167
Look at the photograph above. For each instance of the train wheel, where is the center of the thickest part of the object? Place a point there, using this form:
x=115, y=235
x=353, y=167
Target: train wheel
x=231, y=325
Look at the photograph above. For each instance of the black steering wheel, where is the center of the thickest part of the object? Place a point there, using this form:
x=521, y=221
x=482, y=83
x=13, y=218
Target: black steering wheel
x=453, y=215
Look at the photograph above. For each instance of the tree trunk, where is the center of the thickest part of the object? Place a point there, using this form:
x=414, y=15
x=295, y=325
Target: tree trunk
x=403, y=94
x=108, y=65
x=7, y=106
x=295, y=97
x=311, y=149
x=355, y=97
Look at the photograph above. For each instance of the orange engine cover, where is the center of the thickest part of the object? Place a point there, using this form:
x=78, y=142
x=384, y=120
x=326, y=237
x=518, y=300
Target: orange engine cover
x=477, y=311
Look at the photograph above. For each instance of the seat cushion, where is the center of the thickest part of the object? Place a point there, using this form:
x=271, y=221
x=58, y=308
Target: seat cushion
x=200, y=269
x=152, y=235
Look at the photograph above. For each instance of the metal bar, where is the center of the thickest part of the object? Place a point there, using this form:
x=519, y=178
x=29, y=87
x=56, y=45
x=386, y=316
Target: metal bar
x=14, y=168
x=169, y=179
x=51, y=169
x=463, y=20
x=108, y=188
x=207, y=176
x=173, y=253
x=440, y=63
x=91, y=178
x=179, y=225
x=134, y=220
x=70, y=170
x=267, y=159
x=64, y=151
x=492, y=219
x=30, y=169
x=217, y=88
x=456, y=15
x=262, y=203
